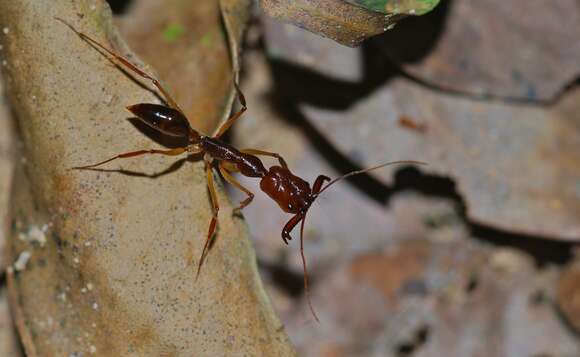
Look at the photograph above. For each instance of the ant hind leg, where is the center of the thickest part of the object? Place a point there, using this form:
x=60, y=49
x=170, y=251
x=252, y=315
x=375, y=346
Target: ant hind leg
x=214, y=218
x=125, y=62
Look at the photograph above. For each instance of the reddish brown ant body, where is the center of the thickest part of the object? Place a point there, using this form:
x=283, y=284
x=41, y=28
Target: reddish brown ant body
x=293, y=194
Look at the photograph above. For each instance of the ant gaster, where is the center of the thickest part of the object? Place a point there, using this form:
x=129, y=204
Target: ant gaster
x=293, y=194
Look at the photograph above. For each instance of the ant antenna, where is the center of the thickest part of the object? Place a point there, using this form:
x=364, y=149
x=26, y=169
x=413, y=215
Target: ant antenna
x=358, y=172
x=352, y=173
x=306, y=289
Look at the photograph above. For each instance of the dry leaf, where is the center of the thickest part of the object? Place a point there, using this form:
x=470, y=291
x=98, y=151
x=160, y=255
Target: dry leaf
x=568, y=297
x=512, y=49
x=9, y=344
x=345, y=23
x=410, y=278
x=107, y=265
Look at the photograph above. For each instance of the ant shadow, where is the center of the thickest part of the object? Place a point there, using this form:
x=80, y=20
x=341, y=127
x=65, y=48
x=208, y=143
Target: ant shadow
x=165, y=140
x=172, y=168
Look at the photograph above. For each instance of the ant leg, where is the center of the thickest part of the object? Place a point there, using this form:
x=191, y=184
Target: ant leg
x=318, y=183
x=172, y=152
x=125, y=62
x=214, y=219
x=229, y=178
x=226, y=125
x=266, y=153
x=290, y=226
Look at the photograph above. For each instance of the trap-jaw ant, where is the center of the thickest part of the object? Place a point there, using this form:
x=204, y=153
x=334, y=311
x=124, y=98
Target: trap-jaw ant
x=293, y=194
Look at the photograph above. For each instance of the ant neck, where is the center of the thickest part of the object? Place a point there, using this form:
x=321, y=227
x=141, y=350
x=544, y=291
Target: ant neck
x=194, y=137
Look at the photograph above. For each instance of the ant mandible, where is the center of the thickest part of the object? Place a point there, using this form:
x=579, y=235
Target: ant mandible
x=293, y=194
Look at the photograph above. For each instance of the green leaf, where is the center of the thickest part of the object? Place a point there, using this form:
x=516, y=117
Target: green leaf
x=411, y=7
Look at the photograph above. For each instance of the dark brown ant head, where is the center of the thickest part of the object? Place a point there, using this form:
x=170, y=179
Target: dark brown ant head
x=167, y=120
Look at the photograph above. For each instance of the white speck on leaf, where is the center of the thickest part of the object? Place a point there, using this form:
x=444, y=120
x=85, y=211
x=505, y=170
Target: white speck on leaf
x=34, y=234
x=23, y=258
x=61, y=296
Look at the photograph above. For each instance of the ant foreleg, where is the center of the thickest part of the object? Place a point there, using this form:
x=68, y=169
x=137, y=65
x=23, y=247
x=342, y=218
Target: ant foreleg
x=318, y=183
x=290, y=226
x=266, y=153
x=214, y=218
x=172, y=152
x=125, y=62
x=229, y=178
x=228, y=123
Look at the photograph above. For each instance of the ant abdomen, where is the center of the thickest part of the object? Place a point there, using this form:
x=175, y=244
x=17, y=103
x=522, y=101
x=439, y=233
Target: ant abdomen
x=167, y=120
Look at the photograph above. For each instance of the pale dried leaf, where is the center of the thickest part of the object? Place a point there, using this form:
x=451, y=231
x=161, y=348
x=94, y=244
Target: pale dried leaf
x=117, y=274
